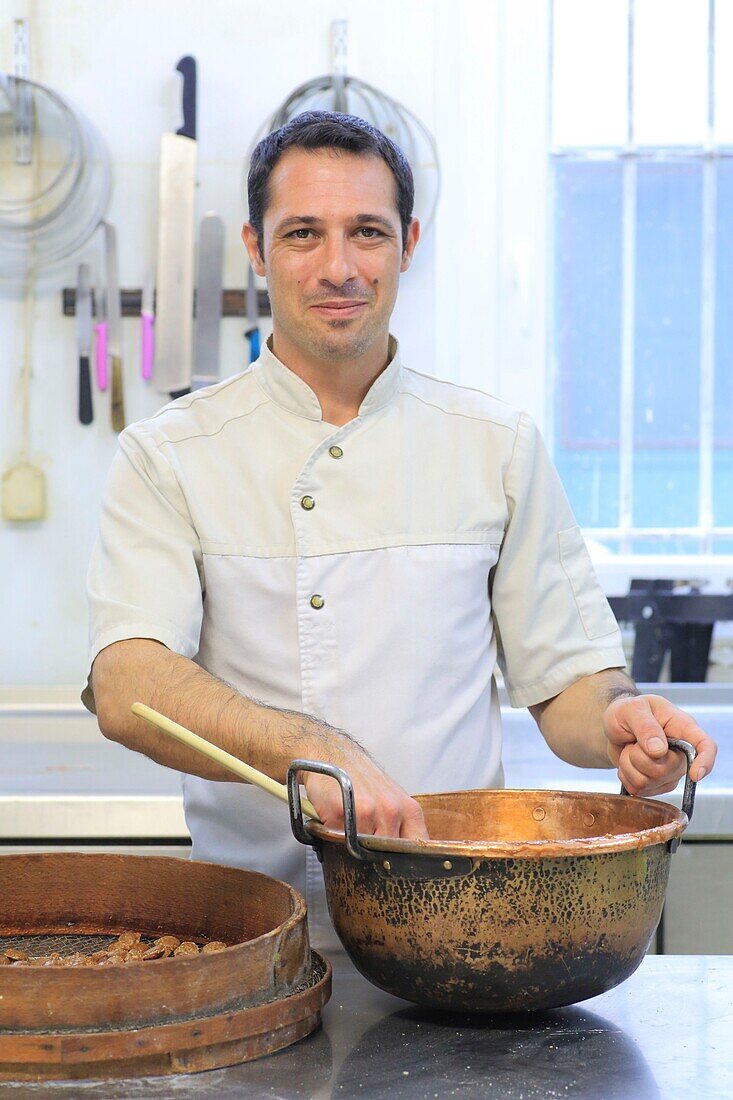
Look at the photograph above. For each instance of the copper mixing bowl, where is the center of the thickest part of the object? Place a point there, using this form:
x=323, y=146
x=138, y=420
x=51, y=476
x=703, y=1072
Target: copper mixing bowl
x=521, y=900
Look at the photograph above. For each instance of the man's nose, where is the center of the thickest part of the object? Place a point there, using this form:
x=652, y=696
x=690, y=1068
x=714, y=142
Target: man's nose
x=338, y=262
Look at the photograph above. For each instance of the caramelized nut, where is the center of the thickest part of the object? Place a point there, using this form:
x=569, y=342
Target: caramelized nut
x=171, y=942
x=187, y=948
x=15, y=955
x=213, y=947
x=157, y=951
x=127, y=939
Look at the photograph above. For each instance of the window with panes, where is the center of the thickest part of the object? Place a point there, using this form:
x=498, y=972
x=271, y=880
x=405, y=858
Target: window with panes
x=641, y=287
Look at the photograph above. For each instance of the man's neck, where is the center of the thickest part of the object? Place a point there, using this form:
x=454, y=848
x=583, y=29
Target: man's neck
x=339, y=386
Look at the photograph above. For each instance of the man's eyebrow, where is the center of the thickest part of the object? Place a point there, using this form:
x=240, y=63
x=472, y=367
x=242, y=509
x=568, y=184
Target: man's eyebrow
x=297, y=219
x=377, y=219
x=360, y=219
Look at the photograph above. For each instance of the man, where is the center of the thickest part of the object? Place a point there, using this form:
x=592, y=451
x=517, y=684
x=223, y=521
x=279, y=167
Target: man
x=325, y=556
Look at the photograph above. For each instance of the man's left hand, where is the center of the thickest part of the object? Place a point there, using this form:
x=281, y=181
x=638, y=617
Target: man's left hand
x=637, y=729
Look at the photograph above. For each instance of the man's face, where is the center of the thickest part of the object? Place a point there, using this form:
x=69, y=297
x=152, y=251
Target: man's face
x=332, y=252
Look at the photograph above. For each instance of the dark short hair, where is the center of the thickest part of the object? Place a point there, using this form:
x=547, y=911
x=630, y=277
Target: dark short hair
x=326, y=130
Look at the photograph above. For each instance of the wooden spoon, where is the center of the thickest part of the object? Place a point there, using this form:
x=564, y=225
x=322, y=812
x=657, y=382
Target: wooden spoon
x=219, y=756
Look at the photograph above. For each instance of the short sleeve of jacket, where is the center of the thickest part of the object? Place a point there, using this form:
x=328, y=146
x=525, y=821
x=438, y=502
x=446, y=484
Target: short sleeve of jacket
x=144, y=576
x=552, y=619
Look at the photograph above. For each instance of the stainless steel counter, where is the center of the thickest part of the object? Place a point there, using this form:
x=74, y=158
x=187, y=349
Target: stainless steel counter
x=59, y=778
x=86, y=789
x=664, y=1033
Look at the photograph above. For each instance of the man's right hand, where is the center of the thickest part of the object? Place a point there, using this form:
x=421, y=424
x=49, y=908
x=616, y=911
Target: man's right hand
x=261, y=735
x=383, y=808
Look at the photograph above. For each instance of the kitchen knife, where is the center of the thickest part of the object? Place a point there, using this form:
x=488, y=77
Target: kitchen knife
x=253, y=332
x=100, y=331
x=208, y=302
x=176, y=213
x=114, y=326
x=84, y=341
x=147, y=323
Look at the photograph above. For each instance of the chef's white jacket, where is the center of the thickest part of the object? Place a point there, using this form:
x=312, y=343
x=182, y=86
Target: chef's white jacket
x=372, y=575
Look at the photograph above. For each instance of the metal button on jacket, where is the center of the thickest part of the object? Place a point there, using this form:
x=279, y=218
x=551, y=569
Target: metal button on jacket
x=317, y=602
x=335, y=452
x=307, y=503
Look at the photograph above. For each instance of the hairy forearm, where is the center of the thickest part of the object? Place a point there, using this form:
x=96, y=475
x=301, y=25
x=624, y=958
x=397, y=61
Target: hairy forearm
x=146, y=671
x=571, y=722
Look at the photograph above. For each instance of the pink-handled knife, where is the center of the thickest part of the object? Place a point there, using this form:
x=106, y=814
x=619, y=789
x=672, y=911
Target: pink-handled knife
x=100, y=331
x=147, y=332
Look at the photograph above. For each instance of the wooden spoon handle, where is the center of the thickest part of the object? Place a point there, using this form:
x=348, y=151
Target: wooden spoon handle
x=219, y=756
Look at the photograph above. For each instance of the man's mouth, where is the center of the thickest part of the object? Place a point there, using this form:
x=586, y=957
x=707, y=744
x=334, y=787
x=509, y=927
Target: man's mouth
x=339, y=307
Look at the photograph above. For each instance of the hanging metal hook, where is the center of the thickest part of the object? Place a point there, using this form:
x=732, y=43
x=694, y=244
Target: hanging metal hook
x=23, y=104
x=339, y=54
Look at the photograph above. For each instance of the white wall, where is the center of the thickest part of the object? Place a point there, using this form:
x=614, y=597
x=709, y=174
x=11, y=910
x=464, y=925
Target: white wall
x=115, y=61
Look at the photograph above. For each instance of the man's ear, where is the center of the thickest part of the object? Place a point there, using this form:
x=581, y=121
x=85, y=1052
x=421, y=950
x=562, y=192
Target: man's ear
x=249, y=236
x=413, y=236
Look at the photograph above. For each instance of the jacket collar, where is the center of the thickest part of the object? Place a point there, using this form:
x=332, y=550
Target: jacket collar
x=289, y=391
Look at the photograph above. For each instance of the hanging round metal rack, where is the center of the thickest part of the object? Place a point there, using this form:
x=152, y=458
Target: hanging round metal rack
x=50, y=207
x=349, y=95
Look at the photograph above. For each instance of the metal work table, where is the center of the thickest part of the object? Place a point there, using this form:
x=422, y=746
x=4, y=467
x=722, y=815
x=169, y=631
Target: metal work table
x=62, y=779
x=101, y=791
x=92, y=790
x=664, y=1033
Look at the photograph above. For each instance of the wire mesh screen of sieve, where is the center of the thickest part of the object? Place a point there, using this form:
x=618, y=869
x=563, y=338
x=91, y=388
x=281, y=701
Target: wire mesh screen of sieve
x=65, y=944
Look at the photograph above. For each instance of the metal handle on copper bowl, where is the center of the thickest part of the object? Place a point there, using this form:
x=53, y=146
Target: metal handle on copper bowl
x=688, y=797
x=387, y=862
x=347, y=796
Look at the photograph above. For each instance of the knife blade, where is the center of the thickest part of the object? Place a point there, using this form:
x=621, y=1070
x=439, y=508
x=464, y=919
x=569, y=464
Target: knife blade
x=253, y=332
x=114, y=326
x=176, y=214
x=208, y=302
x=84, y=340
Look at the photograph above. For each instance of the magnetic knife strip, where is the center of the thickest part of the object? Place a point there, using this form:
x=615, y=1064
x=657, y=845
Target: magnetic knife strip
x=233, y=302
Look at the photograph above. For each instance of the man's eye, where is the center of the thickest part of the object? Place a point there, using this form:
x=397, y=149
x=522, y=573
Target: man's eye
x=300, y=234
x=370, y=232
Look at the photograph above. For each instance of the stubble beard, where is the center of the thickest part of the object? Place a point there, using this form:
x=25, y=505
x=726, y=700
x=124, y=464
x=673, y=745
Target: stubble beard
x=353, y=346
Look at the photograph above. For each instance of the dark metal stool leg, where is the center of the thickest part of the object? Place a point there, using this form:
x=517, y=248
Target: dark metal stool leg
x=651, y=642
x=691, y=651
